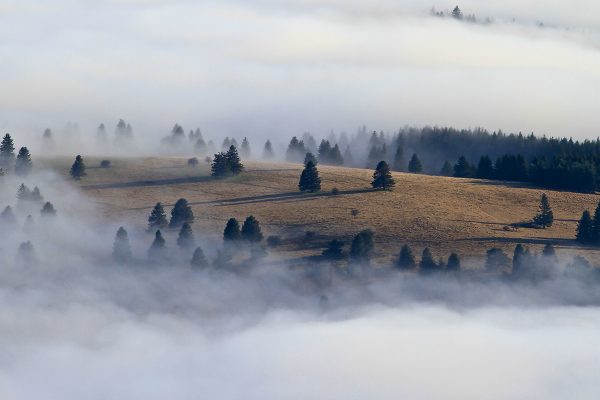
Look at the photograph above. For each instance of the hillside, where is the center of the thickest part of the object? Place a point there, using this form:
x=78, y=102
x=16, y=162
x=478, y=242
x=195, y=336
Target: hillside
x=446, y=214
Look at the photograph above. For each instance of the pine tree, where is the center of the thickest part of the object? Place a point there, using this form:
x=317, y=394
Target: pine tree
x=219, y=166
x=453, y=264
x=585, y=228
x=251, y=230
x=427, y=264
x=7, y=217
x=496, y=260
x=199, y=260
x=485, y=169
x=399, y=159
x=245, y=149
x=447, y=169
x=334, y=250
x=232, y=230
x=463, y=169
x=309, y=179
x=48, y=210
x=414, y=165
x=348, y=158
x=23, y=193
x=596, y=225
x=545, y=217
x=519, y=261
x=23, y=162
x=36, y=196
x=549, y=250
x=406, y=260
x=186, y=239
x=362, y=247
x=158, y=250
x=181, y=213
x=26, y=254
x=121, y=247
x=335, y=156
x=78, y=168
x=157, y=218
x=268, y=151
x=310, y=157
x=457, y=13
x=382, y=178
x=233, y=161
x=7, y=151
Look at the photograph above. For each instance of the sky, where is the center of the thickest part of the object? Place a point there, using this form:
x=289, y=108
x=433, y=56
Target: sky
x=272, y=68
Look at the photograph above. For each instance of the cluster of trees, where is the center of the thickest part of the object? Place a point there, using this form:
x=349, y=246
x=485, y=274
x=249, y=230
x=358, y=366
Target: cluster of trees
x=226, y=164
x=588, y=228
x=180, y=214
x=21, y=164
x=330, y=154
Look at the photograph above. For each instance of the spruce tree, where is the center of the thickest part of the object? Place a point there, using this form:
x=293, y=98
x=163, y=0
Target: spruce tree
x=158, y=250
x=26, y=254
x=180, y=214
x=549, y=250
x=121, y=247
x=596, y=225
x=186, y=239
x=309, y=179
x=485, y=169
x=310, y=157
x=268, y=151
x=219, y=166
x=233, y=161
x=427, y=264
x=48, y=210
x=199, y=260
x=453, y=264
x=447, y=169
x=414, y=165
x=406, y=260
x=520, y=259
x=245, y=149
x=7, y=217
x=232, y=230
x=496, y=260
x=545, y=217
x=23, y=193
x=463, y=169
x=36, y=195
x=251, y=230
x=157, y=218
x=585, y=228
x=334, y=250
x=382, y=178
x=399, y=159
x=362, y=246
x=457, y=13
x=78, y=168
x=23, y=162
x=7, y=151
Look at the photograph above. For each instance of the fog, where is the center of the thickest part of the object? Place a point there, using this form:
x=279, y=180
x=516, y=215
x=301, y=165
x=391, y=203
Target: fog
x=271, y=69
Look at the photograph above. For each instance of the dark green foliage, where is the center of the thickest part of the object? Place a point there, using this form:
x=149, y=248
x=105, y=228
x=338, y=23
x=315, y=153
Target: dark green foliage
x=453, y=263
x=7, y=217
x=7, y=151
x=245, y=149
x=232, y=230
x=251, y=230
x=463, y=169
x=485, y=169
x=226, y=164
x=48, y=210
x=310, y=157
x=199, y=260
x=496, y=260
x=511, y=167
x=295, y=151
x=382, y=178
x=181, y=213
x=157, y=218
x=362, y=246
x=233, y=161
x=398, y=164
x=414, y=165
x=309, y=179
x=427, y=264
x=186, y=239
x=596, y=225
x=23, y=162
x=334, y=250
x=447, y=169
x=406, y=260
x=545, y=217
x=78, y=168
x=268, y=151
x=158, y=250
x=121, y=247
x=585, y=228
x=328, y=154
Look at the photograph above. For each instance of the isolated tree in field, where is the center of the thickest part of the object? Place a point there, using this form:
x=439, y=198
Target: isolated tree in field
x=447, y=169
x=121, y=247
x=414, y=165
x=232, y=230
x=398, y=164
x=496, y=260
x=23, y=162
x=310, y=157
x=596, y=225
x=463, y=169
x=362, y=246
x=157, y=218
x=7, y=217
x=309, y=179
x=334, y=250
x=268, y=151
x=382, y=178
x=251, y=230
x=406, y=259
x=158, y=250
x=245, y=149
x=199, y=260
x=186, y=239
x=48, y=210
x=457, y=13
x=7, y=151
x=453, y=264
x=545, y=217
x=585, y=228
x=78, y=168
x=485, y=169
x=427, y=264
x=233, y=161
x=181, y=213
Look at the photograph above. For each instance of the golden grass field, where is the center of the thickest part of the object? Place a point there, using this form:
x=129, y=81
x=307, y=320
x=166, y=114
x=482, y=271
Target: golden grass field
x=447, y=214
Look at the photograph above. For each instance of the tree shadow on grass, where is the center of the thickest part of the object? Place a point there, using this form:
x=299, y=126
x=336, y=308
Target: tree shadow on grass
x=529, y=240
x=146, y=183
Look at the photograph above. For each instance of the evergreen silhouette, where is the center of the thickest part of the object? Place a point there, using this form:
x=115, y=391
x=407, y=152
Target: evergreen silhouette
x=157, y=218
x=233, y=161
x=232, y=230
x=78, y=168
x=7, y=151
x=399, y=159
x=23, y=162
x=295, y=151
x=48, y=210
x=414, y=165
x=549, y=250
x=362, y=246
x=186, y=239
x=334, y=250
x=520, y=260
x=23, y=193
x=181, y=213
x=121, y=247
x=427, y=264
x=496, y=260
x=585, y=228
x=545, y=217
x=268, y=151
x=310, y=157
x=382, y=178
x=406, y=260
x=158, y=250
x=36, y=196
x=245, y=148
x=7, y=217
x=447, y=169
x=463, y=169
x=219, y=166
x=251, y=230
x=485, y=169
x=453, y=264
x=309, y=179
x=26, y=254
x=596, y=225
x=199, y=260
x=457, y=13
